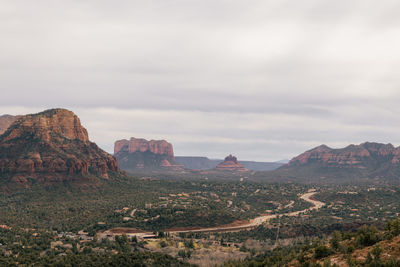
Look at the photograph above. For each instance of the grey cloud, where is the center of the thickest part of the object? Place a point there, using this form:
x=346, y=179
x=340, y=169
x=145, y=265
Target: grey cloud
x=209, y=75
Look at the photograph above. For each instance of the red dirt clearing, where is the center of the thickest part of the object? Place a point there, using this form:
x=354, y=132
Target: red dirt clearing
x=121, y=230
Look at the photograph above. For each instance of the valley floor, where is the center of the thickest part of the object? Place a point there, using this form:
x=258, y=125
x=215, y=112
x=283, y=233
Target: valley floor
x=193, y=222
x=236, y=226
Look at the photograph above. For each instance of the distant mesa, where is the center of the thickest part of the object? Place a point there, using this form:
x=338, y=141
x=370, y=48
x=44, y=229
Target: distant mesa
x=231, y=164
x=197, y=163
x=137, y=154
x=51, y=146
x=159, y=147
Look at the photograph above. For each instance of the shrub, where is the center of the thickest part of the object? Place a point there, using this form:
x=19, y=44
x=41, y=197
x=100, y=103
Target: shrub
x=322, y=251
x=367, y=236
x=393, y=228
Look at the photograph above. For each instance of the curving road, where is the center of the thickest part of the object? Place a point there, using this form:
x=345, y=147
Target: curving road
x=258, y=220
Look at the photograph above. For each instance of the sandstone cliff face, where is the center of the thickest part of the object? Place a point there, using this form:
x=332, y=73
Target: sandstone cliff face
x=51, y=144
x=6, y=121
x=51, y=122
x=159, y=147
x=231, y=164
x=142, y=154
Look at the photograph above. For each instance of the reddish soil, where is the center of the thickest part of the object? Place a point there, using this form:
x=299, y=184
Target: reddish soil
x=121, y=230
x=237, y=223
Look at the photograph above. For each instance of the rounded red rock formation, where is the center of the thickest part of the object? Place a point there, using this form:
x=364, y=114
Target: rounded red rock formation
x=231, y=164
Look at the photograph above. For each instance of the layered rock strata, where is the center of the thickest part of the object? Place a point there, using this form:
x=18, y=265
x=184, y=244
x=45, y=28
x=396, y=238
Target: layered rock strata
x=51, y=143
x=358, y=156
x=138, y=153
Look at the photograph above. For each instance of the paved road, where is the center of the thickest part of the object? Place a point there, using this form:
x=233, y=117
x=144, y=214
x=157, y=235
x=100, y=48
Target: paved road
x=260, y=219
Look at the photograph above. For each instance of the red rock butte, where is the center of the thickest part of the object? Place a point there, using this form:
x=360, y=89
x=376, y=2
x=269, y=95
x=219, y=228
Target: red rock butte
x=52, y=143
x=43, y=125
x=138, y=153
x=159, y=147
x=231, y=164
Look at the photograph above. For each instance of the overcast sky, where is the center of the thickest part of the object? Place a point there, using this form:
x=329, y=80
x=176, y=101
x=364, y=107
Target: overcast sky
x=264, y=80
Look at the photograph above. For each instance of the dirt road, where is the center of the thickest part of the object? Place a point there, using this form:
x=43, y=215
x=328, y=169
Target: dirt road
x=258, y=220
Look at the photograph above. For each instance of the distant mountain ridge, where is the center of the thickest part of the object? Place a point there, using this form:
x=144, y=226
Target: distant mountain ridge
x=261, y=166
x=359, y=156
x=198, y=163
x=369, y=160
x=204, y=163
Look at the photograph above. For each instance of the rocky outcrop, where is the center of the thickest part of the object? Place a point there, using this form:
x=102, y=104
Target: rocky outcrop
x=6, y=121
x=138, y=153
x=51, y=145
x=231, y=164
x=47, y=125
